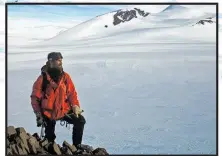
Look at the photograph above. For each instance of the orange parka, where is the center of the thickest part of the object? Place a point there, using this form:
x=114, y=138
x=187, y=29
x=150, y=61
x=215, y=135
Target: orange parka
x=57, y=99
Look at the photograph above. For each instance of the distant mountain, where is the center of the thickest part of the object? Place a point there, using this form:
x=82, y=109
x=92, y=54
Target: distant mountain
x=174, y=8
x=136, y=21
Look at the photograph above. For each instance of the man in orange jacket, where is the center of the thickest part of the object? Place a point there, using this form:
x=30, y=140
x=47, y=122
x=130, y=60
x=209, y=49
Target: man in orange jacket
x=54, y=96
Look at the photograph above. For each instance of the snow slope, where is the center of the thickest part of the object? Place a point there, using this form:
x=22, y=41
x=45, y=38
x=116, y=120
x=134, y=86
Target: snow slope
x=147, y=85
x=171, y=21
x=33, y=33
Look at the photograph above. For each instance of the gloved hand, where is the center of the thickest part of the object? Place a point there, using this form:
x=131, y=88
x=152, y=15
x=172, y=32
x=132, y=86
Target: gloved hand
x=39, y=119
x=76, y=110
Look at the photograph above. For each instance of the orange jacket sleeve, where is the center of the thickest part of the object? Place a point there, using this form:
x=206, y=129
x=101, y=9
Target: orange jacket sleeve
x=72, y=94
x=36, y=94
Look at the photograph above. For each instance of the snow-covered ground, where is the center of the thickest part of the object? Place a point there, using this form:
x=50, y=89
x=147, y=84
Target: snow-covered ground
x=147, y=86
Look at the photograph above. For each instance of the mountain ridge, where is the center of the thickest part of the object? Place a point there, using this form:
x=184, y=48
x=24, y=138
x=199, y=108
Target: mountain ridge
x=128, y=19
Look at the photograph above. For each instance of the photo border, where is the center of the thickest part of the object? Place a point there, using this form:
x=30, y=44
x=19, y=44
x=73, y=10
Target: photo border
x=109, y=3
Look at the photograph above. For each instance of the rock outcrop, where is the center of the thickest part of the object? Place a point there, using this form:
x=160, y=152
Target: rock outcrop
x=19, y=142
x=205, y=21
x=122, y=16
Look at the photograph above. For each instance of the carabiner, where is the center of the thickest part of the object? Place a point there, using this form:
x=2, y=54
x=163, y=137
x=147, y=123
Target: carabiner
x=62, y=122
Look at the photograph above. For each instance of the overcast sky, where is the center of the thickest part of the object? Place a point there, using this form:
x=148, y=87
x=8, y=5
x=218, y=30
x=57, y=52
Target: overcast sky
x=59, y=12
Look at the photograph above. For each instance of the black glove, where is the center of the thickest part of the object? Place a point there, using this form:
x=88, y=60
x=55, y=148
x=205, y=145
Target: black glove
x=39, y=119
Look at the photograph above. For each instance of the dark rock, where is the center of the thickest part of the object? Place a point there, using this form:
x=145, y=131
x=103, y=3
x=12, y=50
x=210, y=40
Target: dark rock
x=66, y=150
x=141, y=12
x=14, y=150
x=85, y=153
x=122, y=16
x=78, y=152
x=106, y=26
x=29, y=135
x=20, y=130
x=203, y=22
x=9, y=151
x=56, y=149
x=116, y=20
x=86, y=148
x=23, y=137
x=49, y=147
x=36, y=143
x=36, y=136
x=69, y=152
x=72, y=148
x=100, y=151
x=41, y=151
x=53, y=148
x=20, y=151
x=32, y=145
x=21, y=145
x=59, y=146
x=17, y=140
x=7, y=142
x=63, y=150
x=11, y=133
x=43, y=142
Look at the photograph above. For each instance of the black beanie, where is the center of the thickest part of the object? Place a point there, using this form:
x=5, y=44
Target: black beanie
x=54, y=56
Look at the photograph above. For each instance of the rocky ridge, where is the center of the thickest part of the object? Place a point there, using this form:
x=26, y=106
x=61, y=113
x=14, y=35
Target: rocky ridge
x=19, y=142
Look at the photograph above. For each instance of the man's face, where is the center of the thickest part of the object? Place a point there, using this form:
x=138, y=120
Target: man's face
x=57, y=64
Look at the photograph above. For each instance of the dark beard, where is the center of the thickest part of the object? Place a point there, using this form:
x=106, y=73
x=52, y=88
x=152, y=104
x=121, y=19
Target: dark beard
x=55, y=74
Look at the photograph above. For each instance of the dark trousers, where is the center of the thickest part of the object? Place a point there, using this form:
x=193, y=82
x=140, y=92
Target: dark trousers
x=78, y=127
